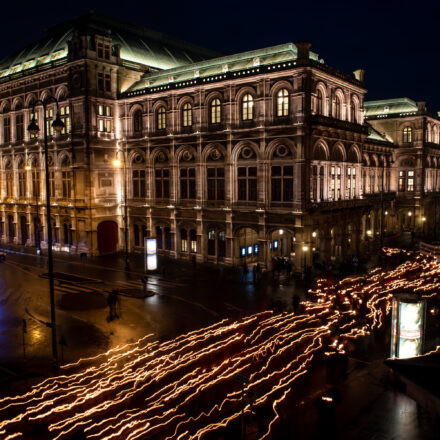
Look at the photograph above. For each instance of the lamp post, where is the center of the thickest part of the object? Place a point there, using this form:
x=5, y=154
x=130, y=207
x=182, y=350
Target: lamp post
x=117, y=164
x=33, y=128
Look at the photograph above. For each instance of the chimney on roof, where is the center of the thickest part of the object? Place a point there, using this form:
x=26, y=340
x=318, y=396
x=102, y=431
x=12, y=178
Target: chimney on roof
x=303, y=48
x=421, y=106
x=359, y=74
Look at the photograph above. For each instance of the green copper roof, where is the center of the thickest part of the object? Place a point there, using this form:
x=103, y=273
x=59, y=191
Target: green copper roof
x=275, y=55
x=138, y=44
x=398, y=106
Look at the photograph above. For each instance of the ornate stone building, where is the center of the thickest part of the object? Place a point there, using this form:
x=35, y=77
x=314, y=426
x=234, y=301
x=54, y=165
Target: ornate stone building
x=222, y=158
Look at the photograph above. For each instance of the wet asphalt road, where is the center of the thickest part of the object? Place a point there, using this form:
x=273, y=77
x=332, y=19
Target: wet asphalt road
x=185, y=299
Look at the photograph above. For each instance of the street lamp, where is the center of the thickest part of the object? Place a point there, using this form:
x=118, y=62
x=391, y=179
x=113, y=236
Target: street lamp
x=33, y=128
x=117, y=163
x=423, y=225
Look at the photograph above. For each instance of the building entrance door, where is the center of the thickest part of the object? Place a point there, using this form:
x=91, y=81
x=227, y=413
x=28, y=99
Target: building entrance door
x=107, y=237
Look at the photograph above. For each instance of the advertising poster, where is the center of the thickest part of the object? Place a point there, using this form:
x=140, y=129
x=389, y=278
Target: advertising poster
x=410, y=330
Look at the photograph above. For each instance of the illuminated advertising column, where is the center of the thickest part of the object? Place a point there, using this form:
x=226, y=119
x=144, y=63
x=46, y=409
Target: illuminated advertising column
x=407, y=326
x=150, y=257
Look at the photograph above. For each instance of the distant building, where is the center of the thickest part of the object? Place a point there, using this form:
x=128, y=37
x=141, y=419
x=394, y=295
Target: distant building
x=226, y=158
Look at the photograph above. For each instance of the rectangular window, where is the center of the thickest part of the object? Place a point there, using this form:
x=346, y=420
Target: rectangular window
x=139, y=183
x=100, y=82
x=67, y=184
x=410, y=181
x=9, y=183
x=247, y=183
x=187, y=183
x=100, y=50
x=107, y=83
x=65, y=117
x=6, y=130
x=282, y=183
x=19, y=127
x=22, y=183
x=162, y=183
x=104, y=119
x=216, y=183
x=36, y=184
x=49, y=119
x=33, y=116
x=401, y=180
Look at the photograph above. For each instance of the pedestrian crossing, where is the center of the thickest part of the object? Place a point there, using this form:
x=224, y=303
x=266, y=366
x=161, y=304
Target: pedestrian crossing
x=134, y=284
x=74, y=288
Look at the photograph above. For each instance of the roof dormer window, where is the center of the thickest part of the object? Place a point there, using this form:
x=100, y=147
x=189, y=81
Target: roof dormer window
x=103, y=51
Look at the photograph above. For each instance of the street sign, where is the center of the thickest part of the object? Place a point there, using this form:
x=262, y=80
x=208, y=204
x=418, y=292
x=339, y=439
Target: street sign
x=242, y=379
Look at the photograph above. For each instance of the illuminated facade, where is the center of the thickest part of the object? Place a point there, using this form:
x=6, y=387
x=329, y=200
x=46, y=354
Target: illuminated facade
x=226, y=159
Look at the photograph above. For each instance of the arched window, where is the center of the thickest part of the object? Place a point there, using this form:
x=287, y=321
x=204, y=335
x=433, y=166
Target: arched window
x=187, y=115
x=247, y=109
x=353, y=111
x=161, y=118
x=338, y=107
x=19, y=124
x=283, y=103
x=407, y=135
x=215, y=113
x=319, y=102
x=137, y=122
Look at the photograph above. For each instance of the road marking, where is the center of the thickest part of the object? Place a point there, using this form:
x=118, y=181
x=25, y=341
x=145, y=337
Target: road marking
x=67, y=288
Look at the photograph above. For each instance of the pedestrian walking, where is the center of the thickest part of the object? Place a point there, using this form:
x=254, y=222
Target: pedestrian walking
x=254, y=274
x=258, y=270
x=111, y=306
x=244, y=272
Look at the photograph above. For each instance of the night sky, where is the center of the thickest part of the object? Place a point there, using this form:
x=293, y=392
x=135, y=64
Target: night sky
x=396, y=42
